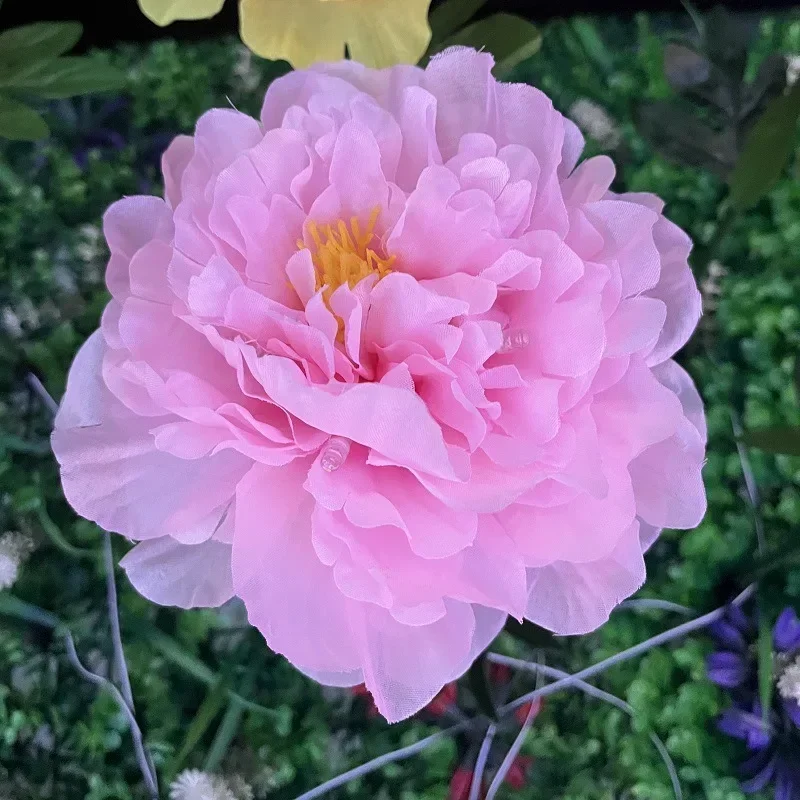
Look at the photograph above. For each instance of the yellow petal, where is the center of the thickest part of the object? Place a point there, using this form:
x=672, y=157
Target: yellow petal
x=379, y=33
x=162, y=12
x=301, y=32
x=382, y=33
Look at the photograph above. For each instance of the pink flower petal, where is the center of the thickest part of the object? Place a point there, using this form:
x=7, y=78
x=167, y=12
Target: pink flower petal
x=289, y=594
x=173, y=574
x=578, y=598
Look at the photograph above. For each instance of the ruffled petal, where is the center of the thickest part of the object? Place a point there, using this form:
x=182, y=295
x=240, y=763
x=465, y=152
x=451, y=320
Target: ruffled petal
x=578, y=598
x=290, y=595
x=185, y=575
x=113, y=473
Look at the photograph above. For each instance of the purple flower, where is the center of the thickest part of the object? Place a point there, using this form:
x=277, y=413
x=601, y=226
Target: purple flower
x=786, y=634
x=746, y=725
x=728, y=669
x=772, y=739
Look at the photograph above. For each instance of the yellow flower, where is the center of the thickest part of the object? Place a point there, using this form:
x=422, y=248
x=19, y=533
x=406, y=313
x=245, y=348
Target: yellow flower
x=378, y=33
x=162, y=12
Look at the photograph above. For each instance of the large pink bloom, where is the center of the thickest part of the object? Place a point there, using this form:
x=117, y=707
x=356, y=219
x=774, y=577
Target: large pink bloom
x=389, y=366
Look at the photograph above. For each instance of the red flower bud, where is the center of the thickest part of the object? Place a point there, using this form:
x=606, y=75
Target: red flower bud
x=461, y=783
x=521, y=713
x=499, y=673
x=517, y=776
x=446, y=698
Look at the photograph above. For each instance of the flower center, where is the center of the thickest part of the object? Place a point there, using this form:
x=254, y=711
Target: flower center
x=342, y=254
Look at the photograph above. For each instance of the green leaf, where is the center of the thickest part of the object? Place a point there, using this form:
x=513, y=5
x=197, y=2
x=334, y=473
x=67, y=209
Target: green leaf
x=32, y=44
x=451, y=15
x=479, y=683
x=66, y=77
x=20, y=122
x=783, y=439
x=180, y=658
x=767, y=149
x=226, y=733
x=510, y=39
x=595, y=48
x=766, y=666
x=11, y=606
x=54, y=534
x=206, y=714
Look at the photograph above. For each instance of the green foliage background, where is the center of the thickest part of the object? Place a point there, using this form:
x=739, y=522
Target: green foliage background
x=60, y=738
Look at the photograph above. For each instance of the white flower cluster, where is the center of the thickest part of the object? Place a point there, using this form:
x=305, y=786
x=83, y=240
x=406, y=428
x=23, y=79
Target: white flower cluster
x=595, y=121
x=14, y=549
x=789, y=681
x=192, y=784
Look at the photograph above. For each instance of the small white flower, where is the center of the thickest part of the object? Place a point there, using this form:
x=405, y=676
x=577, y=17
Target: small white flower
x=14, y=549
x=9, y=569
x=245, y=69
x=192, y=784
x=789, y=681
x=11, y=322
x=239, y=788
x=792, y=69
x=595, y=121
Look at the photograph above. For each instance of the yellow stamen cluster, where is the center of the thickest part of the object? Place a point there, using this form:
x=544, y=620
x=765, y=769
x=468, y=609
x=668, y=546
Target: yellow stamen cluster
x=342, y=254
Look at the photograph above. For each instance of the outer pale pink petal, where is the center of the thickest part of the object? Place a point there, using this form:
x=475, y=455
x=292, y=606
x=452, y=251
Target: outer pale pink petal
x=221, y=135
x=675, y=377
x=173, y=163
x=584, y=529
x=668, y=483
x=667, y=477
x=590, y=181
x=290, y=595
x=578, y=598
x=129, y=225
x=648, y=535
x=461, y=81
x=493, y=570
x=676, y=288
x=183, y=575
x=112, y=472
x=406, y=666
x=488, y=624
x=299, y=86
x=637, y=411
x=572, y=149
x=417, y=119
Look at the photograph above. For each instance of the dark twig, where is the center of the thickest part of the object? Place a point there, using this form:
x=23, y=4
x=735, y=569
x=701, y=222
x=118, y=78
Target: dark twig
x=381, y=761
x=563, y=683
x=595, y=669
x=141, y=755
x=39, y=390
x=113, y=618
x=480, y=764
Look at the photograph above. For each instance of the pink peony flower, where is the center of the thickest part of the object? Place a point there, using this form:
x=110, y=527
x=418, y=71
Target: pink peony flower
x=389, y=366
